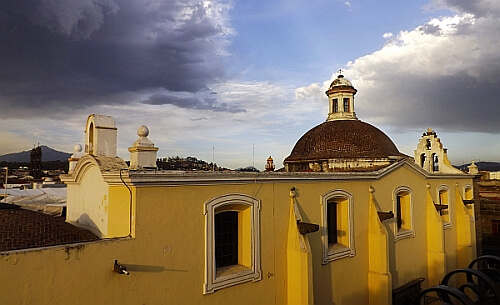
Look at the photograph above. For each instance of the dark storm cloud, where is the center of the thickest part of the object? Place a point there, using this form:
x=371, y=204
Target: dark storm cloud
x=75, y=18
x=479, y=8
x=78, y=53
x=192, y=102
x=452, y=103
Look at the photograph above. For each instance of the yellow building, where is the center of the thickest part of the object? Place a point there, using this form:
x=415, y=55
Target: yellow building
x=343, y=228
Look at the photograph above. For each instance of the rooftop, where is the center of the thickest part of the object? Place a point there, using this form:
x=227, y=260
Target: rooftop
x=343, y=139
x=22, y=229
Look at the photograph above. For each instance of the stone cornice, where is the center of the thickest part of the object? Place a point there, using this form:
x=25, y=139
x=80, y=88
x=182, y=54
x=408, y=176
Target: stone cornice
x=176, y=178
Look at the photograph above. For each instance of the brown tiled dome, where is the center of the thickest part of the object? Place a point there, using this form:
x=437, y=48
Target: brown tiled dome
x=343, y=139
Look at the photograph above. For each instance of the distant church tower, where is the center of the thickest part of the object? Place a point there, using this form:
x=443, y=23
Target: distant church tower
x=36, y=163
x=341, y=100
x=270, y=164
x=431, y=156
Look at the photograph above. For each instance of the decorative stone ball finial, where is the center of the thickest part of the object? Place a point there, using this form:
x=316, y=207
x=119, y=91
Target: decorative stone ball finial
x=77, y=151
x=77, y=148
x=142, y=152
x=77, y=154
x=143, y=141
x=143, y=131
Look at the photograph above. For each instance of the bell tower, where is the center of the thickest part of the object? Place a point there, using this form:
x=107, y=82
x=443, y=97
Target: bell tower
x=431, y=156
x=341, y=99
x=100, y=136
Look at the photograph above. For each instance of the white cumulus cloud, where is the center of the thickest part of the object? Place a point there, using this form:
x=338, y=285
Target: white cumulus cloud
x=445, y=73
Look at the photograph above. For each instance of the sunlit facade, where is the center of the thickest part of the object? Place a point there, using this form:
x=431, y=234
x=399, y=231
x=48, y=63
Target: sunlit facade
x=330, y=230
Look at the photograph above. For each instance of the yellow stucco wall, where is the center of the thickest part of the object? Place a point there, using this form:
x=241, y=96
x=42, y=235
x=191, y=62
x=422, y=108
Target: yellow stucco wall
x=91, y=192
x=120, y=206
x=166, y=256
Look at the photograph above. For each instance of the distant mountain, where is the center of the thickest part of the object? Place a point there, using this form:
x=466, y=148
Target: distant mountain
x=483, y=166
x=48, y=154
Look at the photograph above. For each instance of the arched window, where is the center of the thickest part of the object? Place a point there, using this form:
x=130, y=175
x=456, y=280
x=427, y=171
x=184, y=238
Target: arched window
x=422, y=160
x=468, y=192
x=232, y=241
x=444, y=199
x=90, y=148
x=403, y=206
x=435, y=162
x=337, y=223
x=468, y=197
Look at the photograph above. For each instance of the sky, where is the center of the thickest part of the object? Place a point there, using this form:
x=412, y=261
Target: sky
x=235, y=81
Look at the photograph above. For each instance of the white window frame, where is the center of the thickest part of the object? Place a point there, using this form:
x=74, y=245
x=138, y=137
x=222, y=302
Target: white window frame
x=330, y=252
x=239, y=274
x=444, y=187
x=467, y=187
x=403, y=233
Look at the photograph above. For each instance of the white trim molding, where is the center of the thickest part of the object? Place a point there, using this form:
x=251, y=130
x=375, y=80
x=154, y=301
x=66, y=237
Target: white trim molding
x=468, y=192
x=345, y=248
x=247, y=269
x=407, y=229
x=445, y=200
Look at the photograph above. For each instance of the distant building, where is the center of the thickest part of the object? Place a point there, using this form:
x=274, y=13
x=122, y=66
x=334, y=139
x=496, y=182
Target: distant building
x=489, y=238
x=36, y=163
x=270, y=164
x=351, y=221
x=487, y=209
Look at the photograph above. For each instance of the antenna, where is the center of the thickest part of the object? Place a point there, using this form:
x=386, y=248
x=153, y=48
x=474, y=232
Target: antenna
x=253, y=154
x=213, y=158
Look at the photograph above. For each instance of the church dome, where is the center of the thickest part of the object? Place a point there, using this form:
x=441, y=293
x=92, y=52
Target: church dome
x=340, y=81
x=346, y=139
x=343, y=142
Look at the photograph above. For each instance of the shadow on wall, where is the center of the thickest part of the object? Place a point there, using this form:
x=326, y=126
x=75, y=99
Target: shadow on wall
x=388, y=223
x=87, y=223
x=323, y=286
x=149, y=268
x=322, y=274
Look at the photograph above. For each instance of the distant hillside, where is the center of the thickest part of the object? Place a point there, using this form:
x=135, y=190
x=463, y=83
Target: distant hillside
x=483, y=166
x=187, y=164
x=48, y=154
